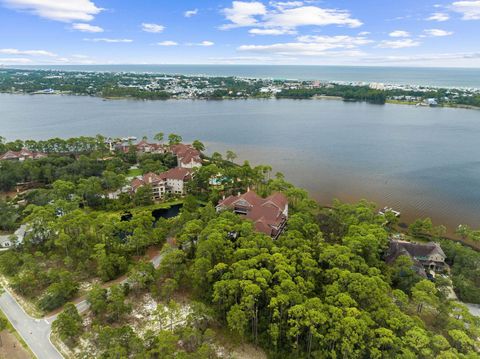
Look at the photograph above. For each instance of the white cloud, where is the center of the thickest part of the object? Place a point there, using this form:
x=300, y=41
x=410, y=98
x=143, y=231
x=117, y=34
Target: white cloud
x=155, y=28
x=437, y=32
x=469, y=8
x=364, y=33
x=285, y=15
x=438, y=16
x=104, y=39
x=308, y=16
x=205, y=43
x=59, y=10
x=312, y=46
x=202, y=43
x=86, y=27
x=80, y=56
x=167, y=43
x=190, y=13
x=399, y=33
x=27, y=52
x=285, y=4
x=342, y=41
x=15, y=60
x=257, y=31
x=243, y=13
x=398, y=44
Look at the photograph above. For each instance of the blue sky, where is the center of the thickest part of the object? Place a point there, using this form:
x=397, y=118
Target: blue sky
x=330, y=32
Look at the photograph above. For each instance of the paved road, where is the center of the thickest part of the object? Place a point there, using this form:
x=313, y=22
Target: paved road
x=474, y=309
x=35, y=332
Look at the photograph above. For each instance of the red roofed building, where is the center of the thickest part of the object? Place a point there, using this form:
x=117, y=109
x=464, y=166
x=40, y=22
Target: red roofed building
x=187, y=156
x=142, y=147
x=269, y=215
x=145, y=147
x=172, y=181
x=22, y=155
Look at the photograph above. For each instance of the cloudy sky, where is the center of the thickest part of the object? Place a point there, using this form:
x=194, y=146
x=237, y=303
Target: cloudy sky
x=330, y=32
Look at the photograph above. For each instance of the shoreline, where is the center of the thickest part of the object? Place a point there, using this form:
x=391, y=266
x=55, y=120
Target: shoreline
x=315, y=97
x=82, y=68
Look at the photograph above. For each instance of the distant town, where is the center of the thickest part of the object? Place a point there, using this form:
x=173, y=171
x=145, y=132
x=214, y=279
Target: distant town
x=151, y=86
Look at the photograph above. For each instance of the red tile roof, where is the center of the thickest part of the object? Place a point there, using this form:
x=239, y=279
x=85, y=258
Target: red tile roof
x=176, y=173
x=185, y=153
x=13, y=155
x=154, y=179
x=268, y=214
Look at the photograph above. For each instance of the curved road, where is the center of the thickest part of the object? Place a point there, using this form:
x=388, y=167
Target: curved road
x=36, y=332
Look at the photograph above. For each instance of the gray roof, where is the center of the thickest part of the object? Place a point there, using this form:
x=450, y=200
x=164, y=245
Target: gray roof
x=414, y=250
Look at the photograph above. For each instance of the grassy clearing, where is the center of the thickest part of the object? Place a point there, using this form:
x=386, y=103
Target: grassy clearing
x=134, y=172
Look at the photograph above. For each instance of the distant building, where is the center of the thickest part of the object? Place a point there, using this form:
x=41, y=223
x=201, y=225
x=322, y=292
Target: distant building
x=425, y=256
x=269, y=215
x=142, y=147
x=21, y=155
x=145, y=147
x=172, y=181
x=187, y=156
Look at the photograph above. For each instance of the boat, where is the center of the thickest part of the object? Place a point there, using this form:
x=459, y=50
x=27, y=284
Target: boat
x=384, y=210
x=129, y=138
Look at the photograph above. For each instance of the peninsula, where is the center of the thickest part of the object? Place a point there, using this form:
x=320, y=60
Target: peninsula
x=151, y=86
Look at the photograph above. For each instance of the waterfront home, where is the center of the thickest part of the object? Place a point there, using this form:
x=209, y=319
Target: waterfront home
x=142, y=147
x=187, y=156
x=145, y=147
x=426, y=257
x=269, y=215
x=22, y=155
x=172, y=181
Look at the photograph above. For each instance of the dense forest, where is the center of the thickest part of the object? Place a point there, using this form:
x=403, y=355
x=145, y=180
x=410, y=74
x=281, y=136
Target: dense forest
x=321, y=290
x=348, y=93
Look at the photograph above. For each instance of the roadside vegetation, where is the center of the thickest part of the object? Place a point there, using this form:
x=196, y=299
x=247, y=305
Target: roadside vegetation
x=321, y=290
x=11, y=343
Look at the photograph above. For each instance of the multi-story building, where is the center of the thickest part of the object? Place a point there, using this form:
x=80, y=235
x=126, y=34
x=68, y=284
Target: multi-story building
x=172, y=181
x=269, y=215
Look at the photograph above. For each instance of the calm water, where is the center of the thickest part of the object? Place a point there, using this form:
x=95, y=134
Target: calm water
x=441, y=77
x=422, y=161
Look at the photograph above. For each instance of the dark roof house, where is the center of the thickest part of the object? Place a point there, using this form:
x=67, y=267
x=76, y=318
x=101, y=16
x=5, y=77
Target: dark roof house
x=425, y=256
